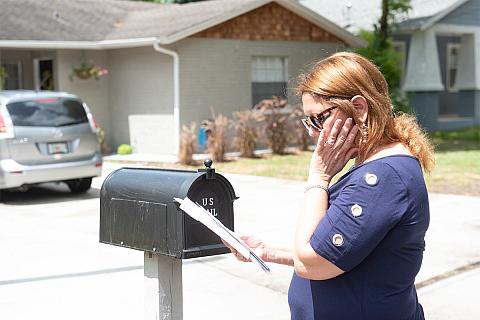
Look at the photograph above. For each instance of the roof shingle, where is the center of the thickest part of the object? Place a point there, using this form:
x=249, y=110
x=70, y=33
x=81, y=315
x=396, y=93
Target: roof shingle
x=93, y=20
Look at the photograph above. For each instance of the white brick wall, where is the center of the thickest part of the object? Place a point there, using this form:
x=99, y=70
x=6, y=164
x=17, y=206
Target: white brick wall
x=93, y=92
x=216, y=72
x=140, y=83
x=213, y=73
x=151, y=133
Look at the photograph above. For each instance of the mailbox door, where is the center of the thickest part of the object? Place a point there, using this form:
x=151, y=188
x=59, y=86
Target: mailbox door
x=214, y=195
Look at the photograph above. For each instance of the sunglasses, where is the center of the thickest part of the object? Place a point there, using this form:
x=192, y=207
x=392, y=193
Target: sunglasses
x=316, y=121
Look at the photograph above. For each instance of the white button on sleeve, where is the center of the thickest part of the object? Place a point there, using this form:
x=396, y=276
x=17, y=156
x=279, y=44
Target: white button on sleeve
x=371, y=179
x=356, y=210
x=337, y=240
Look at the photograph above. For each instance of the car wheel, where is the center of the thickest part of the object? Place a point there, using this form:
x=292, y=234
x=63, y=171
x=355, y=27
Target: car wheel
x=79, y=185
x=2, y=196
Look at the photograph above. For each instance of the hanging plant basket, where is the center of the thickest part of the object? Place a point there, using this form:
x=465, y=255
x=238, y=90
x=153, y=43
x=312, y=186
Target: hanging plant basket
x=82, y=74
x=87, y=70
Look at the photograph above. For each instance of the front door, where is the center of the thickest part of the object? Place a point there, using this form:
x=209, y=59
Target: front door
x=43, y=74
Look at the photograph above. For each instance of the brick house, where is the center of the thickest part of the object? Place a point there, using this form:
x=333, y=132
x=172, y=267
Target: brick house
x=168, y=64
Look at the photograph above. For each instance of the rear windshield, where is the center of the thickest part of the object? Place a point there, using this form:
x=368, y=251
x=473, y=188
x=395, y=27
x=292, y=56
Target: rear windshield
x=47, y=112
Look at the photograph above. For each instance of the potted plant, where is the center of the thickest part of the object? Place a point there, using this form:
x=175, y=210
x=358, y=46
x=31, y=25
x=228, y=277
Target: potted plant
x=87, y=70
x=3, y=77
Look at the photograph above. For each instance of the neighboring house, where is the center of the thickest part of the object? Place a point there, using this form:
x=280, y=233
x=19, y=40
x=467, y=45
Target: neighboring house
x=440, y=43
x=168, y=64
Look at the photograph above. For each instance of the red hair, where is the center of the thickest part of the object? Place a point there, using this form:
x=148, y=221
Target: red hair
x=344, y=75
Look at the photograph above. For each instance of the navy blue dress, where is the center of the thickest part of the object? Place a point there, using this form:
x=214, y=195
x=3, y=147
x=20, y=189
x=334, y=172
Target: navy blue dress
x=373, y=230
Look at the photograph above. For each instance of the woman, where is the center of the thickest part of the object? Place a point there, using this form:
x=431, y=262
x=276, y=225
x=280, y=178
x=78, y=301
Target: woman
x=359, y=242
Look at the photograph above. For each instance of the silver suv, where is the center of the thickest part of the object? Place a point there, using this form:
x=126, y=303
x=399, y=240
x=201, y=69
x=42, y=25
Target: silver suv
x=45, y=137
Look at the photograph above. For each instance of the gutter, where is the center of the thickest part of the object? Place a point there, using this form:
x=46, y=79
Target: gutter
x=89, y=45
x=176, y=93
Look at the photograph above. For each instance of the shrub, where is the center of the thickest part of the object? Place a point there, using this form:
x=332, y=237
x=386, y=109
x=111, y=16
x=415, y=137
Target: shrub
x=275, y=123
x=104, y=147
x=216, y=131
x=301, y=137
x=188, y=144
x=245, y=133
x=381, y=51
x=3, y=77
x=124, y=149
x=470, y=134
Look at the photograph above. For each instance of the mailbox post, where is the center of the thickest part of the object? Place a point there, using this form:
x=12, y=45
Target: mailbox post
x=163, y=294
x=137, y=211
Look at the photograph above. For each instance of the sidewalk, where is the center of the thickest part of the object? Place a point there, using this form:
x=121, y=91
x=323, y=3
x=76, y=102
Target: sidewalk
x=452, y=241
x=53, y=267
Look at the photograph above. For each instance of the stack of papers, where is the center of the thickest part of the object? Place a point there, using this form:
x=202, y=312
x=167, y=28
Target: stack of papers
x=198, y=213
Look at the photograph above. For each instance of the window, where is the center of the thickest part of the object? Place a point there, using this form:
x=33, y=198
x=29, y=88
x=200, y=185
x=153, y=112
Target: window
x=400, y=47
x=269, y=78
x=452, y=65
x=47, y=112
x=13, y=79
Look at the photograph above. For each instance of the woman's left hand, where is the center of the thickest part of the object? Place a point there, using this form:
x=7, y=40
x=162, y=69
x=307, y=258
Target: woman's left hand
x=255, y=244
x=333, y=151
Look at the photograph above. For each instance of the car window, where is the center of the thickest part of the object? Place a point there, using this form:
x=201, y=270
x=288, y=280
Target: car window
x=47, y=112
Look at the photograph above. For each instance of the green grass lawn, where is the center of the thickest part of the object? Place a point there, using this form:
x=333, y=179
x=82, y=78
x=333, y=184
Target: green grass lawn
x=457, y=168
x=292, y=166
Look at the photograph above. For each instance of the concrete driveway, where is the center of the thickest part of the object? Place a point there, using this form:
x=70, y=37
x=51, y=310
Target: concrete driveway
x=53, y=267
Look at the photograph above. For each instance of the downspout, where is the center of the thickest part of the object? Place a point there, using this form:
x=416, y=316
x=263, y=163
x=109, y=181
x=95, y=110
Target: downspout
x=176, y=94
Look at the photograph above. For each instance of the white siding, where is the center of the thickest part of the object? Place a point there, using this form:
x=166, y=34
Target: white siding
x=467, y=14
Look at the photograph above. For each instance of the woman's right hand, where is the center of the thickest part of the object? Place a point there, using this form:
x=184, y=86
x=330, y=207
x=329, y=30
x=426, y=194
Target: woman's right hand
x=333, y=151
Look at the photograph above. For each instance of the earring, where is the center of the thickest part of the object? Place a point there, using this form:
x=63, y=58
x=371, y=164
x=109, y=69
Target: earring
x=364, y=133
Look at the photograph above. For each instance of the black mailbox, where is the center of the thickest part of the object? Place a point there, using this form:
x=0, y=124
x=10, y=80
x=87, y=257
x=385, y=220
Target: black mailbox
x=137, y=210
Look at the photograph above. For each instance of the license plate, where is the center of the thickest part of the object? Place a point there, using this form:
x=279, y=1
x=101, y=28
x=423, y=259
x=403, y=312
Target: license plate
x=56, y=148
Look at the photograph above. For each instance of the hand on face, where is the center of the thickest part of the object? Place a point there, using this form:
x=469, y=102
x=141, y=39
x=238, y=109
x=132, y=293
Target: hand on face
x=335, y=147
